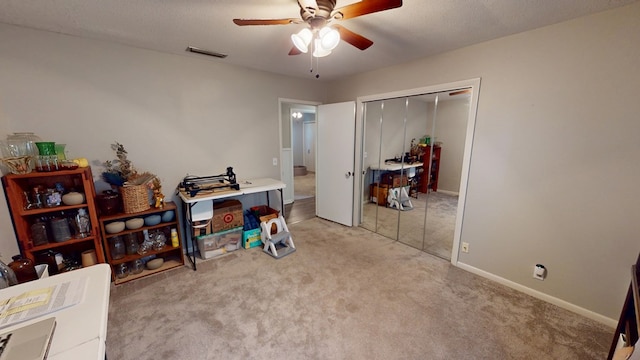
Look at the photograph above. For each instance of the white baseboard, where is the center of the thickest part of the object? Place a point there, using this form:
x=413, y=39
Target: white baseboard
x=447, y=192
x=542, y=296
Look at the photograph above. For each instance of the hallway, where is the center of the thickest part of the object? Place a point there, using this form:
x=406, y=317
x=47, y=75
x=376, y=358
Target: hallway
x=304, y=205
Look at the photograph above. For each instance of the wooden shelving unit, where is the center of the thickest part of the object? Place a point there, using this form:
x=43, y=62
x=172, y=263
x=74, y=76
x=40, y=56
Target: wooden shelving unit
x=629, y=323
x=429, y=176
x=81, y=180
x=173, y=256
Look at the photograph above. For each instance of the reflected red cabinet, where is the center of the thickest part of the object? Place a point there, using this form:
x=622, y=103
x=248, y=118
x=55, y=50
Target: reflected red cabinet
x=429, y=178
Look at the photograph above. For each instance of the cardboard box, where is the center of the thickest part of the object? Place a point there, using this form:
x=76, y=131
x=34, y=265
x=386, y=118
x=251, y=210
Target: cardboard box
x=251, y=238
x=227, y=215
x=219, y=243
x=395, y=180
x=201, y=231
x=378, y=193
x=265, y=213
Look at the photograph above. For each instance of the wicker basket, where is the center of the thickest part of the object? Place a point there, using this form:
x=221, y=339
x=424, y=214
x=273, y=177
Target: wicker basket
x=135, y=198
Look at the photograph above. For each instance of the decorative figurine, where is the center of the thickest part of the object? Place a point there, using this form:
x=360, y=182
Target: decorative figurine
x=158, y=196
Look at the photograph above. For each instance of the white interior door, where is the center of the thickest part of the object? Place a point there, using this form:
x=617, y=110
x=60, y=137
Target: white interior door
x=310, y=146
x=286, y=166
x=335, y=162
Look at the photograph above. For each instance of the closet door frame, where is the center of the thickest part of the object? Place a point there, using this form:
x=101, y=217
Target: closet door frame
x=474, y=85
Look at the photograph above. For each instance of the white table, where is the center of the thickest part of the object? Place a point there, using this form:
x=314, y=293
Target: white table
x=247, y=187
x=81, y=329
x=395, y=166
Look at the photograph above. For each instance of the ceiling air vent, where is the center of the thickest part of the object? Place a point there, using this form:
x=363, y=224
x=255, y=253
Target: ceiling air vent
x=206, y=52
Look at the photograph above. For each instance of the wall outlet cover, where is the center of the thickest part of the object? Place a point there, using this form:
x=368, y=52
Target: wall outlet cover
x=539, y=272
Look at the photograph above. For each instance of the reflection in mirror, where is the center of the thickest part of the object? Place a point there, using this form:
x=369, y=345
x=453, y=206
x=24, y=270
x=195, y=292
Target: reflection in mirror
x=384, y=140
x=371, y=193
x=420, y=130
x=442, y=204
x=413, y=168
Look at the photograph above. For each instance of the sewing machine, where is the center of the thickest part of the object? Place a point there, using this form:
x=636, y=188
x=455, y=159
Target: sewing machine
x=199, y=185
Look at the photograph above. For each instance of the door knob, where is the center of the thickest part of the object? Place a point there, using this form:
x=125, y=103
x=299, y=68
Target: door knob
x=348, y=174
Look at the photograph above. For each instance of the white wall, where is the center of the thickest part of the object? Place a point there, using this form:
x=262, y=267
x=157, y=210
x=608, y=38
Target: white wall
x=554, y=168
x=8, y=245
x=176, y=115
x=451, y=129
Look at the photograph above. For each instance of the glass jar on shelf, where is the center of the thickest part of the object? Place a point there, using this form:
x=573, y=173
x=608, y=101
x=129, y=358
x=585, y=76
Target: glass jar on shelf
x=136, y=266
x=117, y=247
x=39, y=232
x=47, y=158
x=159, y=240
x=49, y=257
x=122, y=270
x=131, y=243
x=7, y=276
x=60, y=228
x=19, y=152
x=81, y=224
x=24, y=269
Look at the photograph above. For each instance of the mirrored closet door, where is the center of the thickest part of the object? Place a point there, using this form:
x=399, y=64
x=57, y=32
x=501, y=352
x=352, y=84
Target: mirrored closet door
x=412, y=160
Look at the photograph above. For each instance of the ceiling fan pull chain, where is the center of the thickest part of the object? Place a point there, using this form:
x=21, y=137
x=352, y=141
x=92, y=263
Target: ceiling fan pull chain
x=313, y=48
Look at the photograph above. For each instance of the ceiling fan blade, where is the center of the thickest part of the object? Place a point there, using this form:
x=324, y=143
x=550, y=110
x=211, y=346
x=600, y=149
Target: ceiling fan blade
x=460, y=92
x=308, y=4
x=365, y=7
x=294, y=51
x=352, y=38
x=245, y=22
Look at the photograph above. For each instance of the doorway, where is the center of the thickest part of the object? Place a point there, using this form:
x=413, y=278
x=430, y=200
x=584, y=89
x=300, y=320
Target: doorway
x=303, y=134
x=297, y=158
x=415, y=152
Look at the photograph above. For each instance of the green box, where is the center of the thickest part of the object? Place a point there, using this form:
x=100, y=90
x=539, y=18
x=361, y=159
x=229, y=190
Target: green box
x=251, y=238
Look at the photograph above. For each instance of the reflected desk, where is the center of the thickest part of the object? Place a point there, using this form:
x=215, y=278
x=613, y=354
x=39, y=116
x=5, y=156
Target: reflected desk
x=247, y=187
x=395, y=167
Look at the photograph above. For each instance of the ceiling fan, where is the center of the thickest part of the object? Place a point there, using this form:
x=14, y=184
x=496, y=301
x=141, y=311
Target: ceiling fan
x=318, y=14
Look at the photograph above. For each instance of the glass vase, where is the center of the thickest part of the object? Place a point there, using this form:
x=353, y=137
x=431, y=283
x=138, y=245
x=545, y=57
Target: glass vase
x=7, y=276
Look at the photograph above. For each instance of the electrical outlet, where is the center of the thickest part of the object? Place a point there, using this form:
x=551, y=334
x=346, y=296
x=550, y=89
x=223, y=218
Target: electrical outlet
x=465, y=247
x=275, y=161
x=539, y=272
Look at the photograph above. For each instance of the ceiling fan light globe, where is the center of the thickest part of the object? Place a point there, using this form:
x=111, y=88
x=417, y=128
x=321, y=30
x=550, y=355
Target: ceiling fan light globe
x=302, y=40
x=329, y=38
x=319, y=51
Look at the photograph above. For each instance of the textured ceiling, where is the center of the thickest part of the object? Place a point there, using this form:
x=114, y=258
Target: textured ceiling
x=417, y=29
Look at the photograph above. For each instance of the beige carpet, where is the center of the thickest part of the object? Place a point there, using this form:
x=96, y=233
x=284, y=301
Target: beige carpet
x=435, y=236
x=346, y=293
